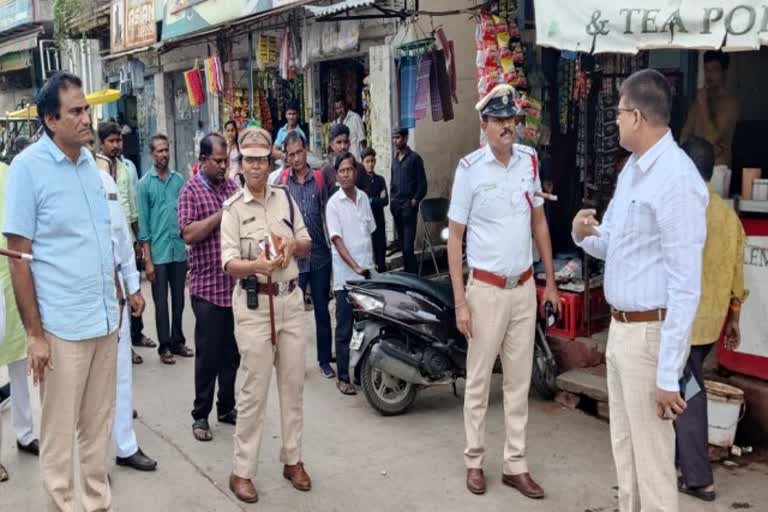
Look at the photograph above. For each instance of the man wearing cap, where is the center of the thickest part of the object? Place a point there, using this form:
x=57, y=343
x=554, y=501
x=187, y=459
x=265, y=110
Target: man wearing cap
x=265, y=308
x=496, y=198
x=408, y=188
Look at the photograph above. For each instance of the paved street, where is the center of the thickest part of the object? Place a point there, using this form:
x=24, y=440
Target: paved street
x=357, y=459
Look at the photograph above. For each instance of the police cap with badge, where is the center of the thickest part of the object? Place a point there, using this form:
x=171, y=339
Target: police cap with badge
x=503, y=101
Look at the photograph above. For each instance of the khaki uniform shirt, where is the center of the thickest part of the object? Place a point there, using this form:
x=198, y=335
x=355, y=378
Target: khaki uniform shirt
x=246, y=220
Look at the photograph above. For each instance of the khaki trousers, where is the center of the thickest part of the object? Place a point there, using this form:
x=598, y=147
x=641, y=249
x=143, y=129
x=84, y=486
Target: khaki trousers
x=503, y=322
x=643, y=444
x=257, y=357
x=78, y=403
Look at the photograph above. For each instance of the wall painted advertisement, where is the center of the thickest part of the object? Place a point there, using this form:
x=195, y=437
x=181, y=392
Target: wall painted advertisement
x=132, y=24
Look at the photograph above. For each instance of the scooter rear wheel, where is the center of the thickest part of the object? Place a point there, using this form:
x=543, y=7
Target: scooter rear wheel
x=387, y=394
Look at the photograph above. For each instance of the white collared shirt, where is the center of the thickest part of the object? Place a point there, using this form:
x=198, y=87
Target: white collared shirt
x=122, y=246
x=354, y=122
x=492, y=200
x=353, y=222
x=652, y=238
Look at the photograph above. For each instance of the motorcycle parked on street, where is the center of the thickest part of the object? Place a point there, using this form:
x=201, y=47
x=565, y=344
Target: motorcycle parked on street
x=405, y=339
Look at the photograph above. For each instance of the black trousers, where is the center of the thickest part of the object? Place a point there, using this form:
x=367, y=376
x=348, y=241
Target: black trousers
x=379, y=241
x=691, y=428
x=216, y=357
x=405, y=225
x=137, y=329
x=344, y=321
x=171, y=276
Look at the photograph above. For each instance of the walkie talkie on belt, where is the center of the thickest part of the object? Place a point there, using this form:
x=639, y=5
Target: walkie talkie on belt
x=251, y=286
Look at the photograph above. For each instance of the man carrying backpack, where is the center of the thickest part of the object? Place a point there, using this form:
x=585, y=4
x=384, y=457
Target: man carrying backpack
x=307, y=189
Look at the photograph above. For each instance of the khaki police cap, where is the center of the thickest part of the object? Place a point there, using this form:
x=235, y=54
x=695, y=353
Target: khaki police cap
x=255, y=142
x=500, y=102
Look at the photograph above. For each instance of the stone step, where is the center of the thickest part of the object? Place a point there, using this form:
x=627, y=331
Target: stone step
x=590, y=382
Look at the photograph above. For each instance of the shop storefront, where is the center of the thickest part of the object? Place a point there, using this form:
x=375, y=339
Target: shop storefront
x=594, y=45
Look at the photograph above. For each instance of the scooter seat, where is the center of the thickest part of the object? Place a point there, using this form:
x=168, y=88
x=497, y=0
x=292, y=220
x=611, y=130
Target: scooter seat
x=439, y=292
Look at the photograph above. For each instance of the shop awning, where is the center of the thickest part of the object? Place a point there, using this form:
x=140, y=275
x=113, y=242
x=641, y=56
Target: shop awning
x=628, y=26
x=320, y=11
x=94, y=98
x=26, y=41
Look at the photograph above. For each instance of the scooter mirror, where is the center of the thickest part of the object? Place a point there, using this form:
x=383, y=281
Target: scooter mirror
x=444, y=234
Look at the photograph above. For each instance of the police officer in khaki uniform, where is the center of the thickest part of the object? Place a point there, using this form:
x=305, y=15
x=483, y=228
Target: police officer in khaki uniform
x=497, y=199
x=256, y=211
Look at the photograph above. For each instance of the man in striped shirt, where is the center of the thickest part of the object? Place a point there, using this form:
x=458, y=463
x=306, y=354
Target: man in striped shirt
x=651, y=238
x=200, y=211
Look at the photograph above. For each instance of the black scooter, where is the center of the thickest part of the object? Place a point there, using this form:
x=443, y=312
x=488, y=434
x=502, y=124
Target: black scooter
x=405, y=338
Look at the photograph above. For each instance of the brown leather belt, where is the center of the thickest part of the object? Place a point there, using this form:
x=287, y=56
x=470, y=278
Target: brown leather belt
x=502, y=281
x=277, y=289
x=633, y=317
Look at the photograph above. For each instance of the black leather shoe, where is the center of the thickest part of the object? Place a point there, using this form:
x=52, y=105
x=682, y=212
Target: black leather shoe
x=33, y=448
x=230, y=417
x=138, y=461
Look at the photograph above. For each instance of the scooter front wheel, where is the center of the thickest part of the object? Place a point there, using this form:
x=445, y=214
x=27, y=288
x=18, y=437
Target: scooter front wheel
x=388, y=394
x=544, y=373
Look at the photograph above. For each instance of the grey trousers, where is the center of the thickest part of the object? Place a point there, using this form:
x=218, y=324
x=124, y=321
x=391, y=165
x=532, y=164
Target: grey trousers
x=691, y=427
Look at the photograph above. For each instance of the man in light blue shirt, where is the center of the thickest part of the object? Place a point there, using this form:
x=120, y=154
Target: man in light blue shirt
x=291, y=125
x=55, y=209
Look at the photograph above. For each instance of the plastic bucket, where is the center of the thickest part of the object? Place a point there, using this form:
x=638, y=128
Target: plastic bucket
x=725, y=408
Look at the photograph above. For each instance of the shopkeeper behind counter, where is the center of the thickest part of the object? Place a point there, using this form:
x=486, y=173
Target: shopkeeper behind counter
x=714, y=114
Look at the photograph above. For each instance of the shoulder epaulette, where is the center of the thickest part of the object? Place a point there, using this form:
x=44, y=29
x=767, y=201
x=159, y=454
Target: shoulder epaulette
x=472, y=158
x=528, y=150
x=237, y=195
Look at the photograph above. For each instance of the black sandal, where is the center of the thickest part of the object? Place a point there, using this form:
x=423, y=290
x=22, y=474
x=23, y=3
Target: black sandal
x=696, y=492
x=202, y=431
x=136, y=358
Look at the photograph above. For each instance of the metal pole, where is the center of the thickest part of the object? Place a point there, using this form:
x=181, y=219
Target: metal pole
x=250, y=73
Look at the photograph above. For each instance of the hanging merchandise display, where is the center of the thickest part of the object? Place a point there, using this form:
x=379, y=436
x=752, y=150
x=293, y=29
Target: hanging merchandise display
x=213, y=75
x=424, y=81
x=194, y=84
x=450, y=61
x=408, y=70
x=499, y=54
x=267, y=54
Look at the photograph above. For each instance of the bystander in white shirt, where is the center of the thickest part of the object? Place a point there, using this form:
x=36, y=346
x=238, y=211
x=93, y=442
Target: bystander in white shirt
x=353, y=222
x=354, y=122
x=651, y=238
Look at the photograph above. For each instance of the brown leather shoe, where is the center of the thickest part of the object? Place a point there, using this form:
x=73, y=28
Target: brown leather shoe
x=243, y=489
x=525, y=484
x=475, y=481
x=298, y=477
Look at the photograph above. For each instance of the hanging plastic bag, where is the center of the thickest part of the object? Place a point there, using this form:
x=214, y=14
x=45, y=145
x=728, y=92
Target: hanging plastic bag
x=330, y=38
x=349, y=36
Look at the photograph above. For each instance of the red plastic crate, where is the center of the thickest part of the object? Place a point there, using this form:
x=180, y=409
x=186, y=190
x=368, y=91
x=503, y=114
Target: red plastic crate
x=571, y=322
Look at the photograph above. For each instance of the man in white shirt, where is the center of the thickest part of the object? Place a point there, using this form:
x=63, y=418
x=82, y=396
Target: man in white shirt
x=354, y=122
x=497, y=199
x=651, y=238
x=124, y=437
x=350, y=224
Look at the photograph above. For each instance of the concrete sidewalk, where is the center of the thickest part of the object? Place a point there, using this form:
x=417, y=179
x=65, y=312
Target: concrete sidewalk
x=358, y=460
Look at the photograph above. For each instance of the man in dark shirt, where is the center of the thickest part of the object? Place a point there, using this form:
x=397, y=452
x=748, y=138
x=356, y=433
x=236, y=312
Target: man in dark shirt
x=315, y=270
x=409, y=187
x=375, y=188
